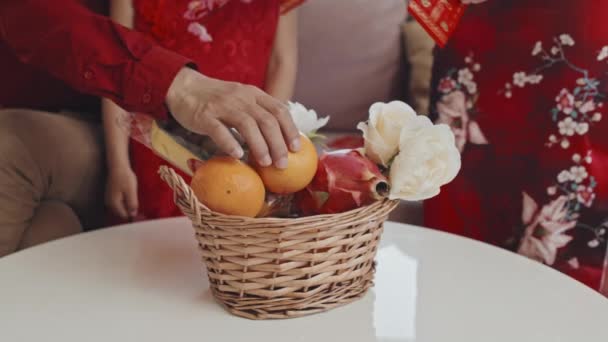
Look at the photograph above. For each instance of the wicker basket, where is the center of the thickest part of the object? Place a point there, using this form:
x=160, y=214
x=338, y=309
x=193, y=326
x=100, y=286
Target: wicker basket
x=270, y=268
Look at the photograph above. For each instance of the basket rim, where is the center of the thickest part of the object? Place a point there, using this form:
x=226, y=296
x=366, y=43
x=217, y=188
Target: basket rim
x=170, y=172
x=351, y=212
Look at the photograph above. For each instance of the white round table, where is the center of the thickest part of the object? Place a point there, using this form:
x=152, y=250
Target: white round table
x=144, y=282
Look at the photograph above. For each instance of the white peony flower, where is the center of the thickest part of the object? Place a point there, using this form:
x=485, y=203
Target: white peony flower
x=476, y=67
x=306, y=120
x=538, y=48
x=428, y=160
x=565, y=144
x=382, y=131
x=552, y=190
x=519, y=79
x=566, y=39
x=567, y=126
x=576, y=158
x=603, y=54
x=588, y=159
x=554, y=50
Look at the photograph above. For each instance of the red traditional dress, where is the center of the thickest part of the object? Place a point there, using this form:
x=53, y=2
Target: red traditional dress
x=526, y=84
x=229, y=39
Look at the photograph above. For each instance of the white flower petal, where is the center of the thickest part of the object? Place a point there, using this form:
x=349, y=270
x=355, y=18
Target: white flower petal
x=428, y=160
x=383, y=130
x=306, y=120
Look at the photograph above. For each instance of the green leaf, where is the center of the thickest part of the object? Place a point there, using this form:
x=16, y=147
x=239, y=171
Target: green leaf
x=574, y=114
x=577, y=90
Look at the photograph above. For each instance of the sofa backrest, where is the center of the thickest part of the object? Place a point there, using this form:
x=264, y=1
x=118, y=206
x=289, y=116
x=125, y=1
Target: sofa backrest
x=350, y=56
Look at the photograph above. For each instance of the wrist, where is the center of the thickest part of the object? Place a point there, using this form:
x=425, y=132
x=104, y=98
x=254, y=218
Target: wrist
x=181, y=83
x=118, y=164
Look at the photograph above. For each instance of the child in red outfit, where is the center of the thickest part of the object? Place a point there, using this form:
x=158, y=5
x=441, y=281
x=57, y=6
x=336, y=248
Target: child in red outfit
x=246, y=41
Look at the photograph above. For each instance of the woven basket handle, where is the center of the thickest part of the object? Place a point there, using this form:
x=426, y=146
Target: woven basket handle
x=182, y=193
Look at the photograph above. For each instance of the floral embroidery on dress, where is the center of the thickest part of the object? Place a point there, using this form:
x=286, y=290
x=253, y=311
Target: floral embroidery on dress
x=200, y=31
x=546, y=229
x=575, y=184
x=197, y=10
x=459, y=94
x=461, y=79
x=576, y=110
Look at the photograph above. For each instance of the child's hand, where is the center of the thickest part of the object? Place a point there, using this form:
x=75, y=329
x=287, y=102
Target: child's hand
x=121, y=192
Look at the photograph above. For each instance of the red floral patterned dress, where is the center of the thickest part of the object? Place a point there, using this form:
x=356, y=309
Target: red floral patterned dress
x=524, y=84
x=229, y=39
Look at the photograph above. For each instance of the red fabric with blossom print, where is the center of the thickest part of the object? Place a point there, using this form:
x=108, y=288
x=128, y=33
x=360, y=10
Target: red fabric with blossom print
x=524, y=85
x=229, y=40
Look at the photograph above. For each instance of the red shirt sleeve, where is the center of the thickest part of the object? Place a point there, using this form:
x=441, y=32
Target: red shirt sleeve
x=90, y=52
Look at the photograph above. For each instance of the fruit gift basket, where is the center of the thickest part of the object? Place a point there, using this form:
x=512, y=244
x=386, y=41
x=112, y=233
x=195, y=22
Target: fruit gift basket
x=312, y=248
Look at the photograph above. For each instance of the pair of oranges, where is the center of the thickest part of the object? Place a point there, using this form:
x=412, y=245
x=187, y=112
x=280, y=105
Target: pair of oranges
x=230, y=186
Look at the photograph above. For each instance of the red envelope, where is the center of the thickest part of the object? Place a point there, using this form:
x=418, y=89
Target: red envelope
x=438, y=17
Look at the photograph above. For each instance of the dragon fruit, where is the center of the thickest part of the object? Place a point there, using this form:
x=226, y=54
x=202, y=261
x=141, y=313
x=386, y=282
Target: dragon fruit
x=345, y=180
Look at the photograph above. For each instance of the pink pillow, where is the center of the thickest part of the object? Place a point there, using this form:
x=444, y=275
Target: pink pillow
x=350, y=56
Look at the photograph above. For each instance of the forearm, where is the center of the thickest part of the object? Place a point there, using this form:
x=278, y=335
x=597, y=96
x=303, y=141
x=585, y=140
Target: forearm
x=280, y=80
x=116, y=131
x=282, y=68
x=90, y=52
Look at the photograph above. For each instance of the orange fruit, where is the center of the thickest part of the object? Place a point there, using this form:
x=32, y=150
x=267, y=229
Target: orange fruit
x=229, y=186
x=300, y=171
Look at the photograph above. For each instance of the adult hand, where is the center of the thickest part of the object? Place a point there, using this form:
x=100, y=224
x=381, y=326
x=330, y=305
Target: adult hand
x=211, y=107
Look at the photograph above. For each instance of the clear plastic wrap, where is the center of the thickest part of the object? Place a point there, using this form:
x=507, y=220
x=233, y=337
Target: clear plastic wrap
x=185, y=151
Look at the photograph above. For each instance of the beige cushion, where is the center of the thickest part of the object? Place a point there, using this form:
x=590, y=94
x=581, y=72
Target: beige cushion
x=351, y=55
x=419, y=55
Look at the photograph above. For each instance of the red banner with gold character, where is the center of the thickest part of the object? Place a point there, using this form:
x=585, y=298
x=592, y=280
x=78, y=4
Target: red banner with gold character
x=438, y=17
